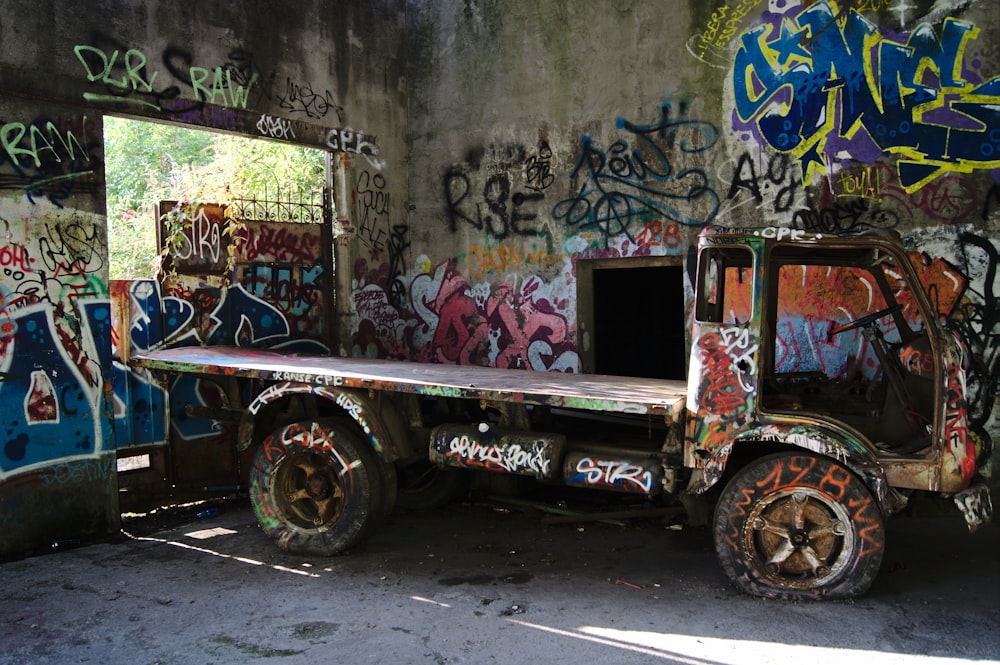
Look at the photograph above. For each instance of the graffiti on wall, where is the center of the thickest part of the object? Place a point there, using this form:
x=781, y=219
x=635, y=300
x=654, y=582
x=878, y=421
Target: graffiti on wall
x=768, y=184
x=820, y=84
x=492, y=257
x=50, y=159
x=710, y=44
x=525, y=324
x=143, y=319
x=276, y=300
x=507, y=203
x=296, y=290
x=126, y=75
x=299, y=97
x=237, y=316
x=654, y=173
x=172, y=85
x=55, y=338
x=871, y=197
x=152, y=319
x=271, y=306
x=277, y=269
x=386, y=243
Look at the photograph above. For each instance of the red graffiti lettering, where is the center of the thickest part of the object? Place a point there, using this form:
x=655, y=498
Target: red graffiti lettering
x=862, y=515
x=835, y=482
x=659, y=234
x=287, y=243
x=721, y=391
x=800, y=465
x=16, y=257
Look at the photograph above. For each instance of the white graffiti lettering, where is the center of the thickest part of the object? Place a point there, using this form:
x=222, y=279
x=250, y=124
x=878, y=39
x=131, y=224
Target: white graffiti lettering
x=353, y=408
x=740, y=348
x=615, y=473
x=507, y=457
x=276, y=128
x=202, y=241
x=302, y=377
x=781, y=233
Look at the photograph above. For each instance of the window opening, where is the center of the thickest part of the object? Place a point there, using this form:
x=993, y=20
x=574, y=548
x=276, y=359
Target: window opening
x=274, y=289
x=725, y=279
x=148, y=162
x=638, y=326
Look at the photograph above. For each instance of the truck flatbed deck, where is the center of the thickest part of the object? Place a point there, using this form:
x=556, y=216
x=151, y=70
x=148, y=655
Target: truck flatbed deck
x=593, y=392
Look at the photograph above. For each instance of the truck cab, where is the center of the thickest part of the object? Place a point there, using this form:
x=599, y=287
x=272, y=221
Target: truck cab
x=823, y=388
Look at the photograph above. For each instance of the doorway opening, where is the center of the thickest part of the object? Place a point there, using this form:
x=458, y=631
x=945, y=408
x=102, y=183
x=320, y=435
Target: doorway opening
x=632, y=317
x=177, y=200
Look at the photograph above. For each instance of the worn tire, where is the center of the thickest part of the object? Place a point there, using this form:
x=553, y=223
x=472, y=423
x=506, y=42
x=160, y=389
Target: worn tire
x=799, y=526
x=317, y=487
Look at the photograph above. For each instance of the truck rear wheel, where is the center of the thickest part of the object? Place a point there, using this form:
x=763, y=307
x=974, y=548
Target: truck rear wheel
x=317, y=487
x=799, y=526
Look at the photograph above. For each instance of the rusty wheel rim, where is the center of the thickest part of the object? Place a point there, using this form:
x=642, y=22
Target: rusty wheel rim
x=308, y=489
x=799, y=538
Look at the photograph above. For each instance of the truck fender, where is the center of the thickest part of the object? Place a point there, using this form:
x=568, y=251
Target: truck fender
x=852, y=452
x=382, y=426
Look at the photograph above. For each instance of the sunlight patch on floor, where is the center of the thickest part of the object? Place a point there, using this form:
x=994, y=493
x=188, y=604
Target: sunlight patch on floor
x=697, y=650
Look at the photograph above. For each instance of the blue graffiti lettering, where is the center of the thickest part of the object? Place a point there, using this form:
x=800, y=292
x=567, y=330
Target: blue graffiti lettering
x=808, y=88
x=632, y=183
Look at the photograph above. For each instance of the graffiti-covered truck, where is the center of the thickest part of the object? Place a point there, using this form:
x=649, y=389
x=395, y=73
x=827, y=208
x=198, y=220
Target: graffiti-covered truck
x=805, y=452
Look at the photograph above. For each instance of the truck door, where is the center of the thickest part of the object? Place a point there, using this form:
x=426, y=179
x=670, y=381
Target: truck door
x=725, y=342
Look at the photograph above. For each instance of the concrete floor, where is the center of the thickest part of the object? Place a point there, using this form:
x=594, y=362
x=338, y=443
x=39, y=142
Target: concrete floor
x=475, y=583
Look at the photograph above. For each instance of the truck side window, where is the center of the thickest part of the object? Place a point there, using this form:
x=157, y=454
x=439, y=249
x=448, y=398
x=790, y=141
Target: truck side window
x=725, y=285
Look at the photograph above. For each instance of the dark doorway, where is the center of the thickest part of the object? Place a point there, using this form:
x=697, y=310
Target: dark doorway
x=638, y=324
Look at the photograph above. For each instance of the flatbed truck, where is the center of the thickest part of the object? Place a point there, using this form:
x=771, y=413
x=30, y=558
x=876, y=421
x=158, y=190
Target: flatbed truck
x=804, y=456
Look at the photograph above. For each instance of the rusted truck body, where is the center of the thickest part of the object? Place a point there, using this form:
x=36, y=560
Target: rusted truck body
x=803, y=454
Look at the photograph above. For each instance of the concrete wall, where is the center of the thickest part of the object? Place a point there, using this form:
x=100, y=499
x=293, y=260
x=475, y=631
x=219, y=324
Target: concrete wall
x=317, y=73
x=547, y=134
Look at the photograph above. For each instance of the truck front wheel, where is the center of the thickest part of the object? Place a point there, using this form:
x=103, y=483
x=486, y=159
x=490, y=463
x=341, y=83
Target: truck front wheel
x=316, y=487
x=799, y=526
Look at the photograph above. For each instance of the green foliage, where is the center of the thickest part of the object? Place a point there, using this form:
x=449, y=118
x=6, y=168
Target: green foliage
x=149, y=162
